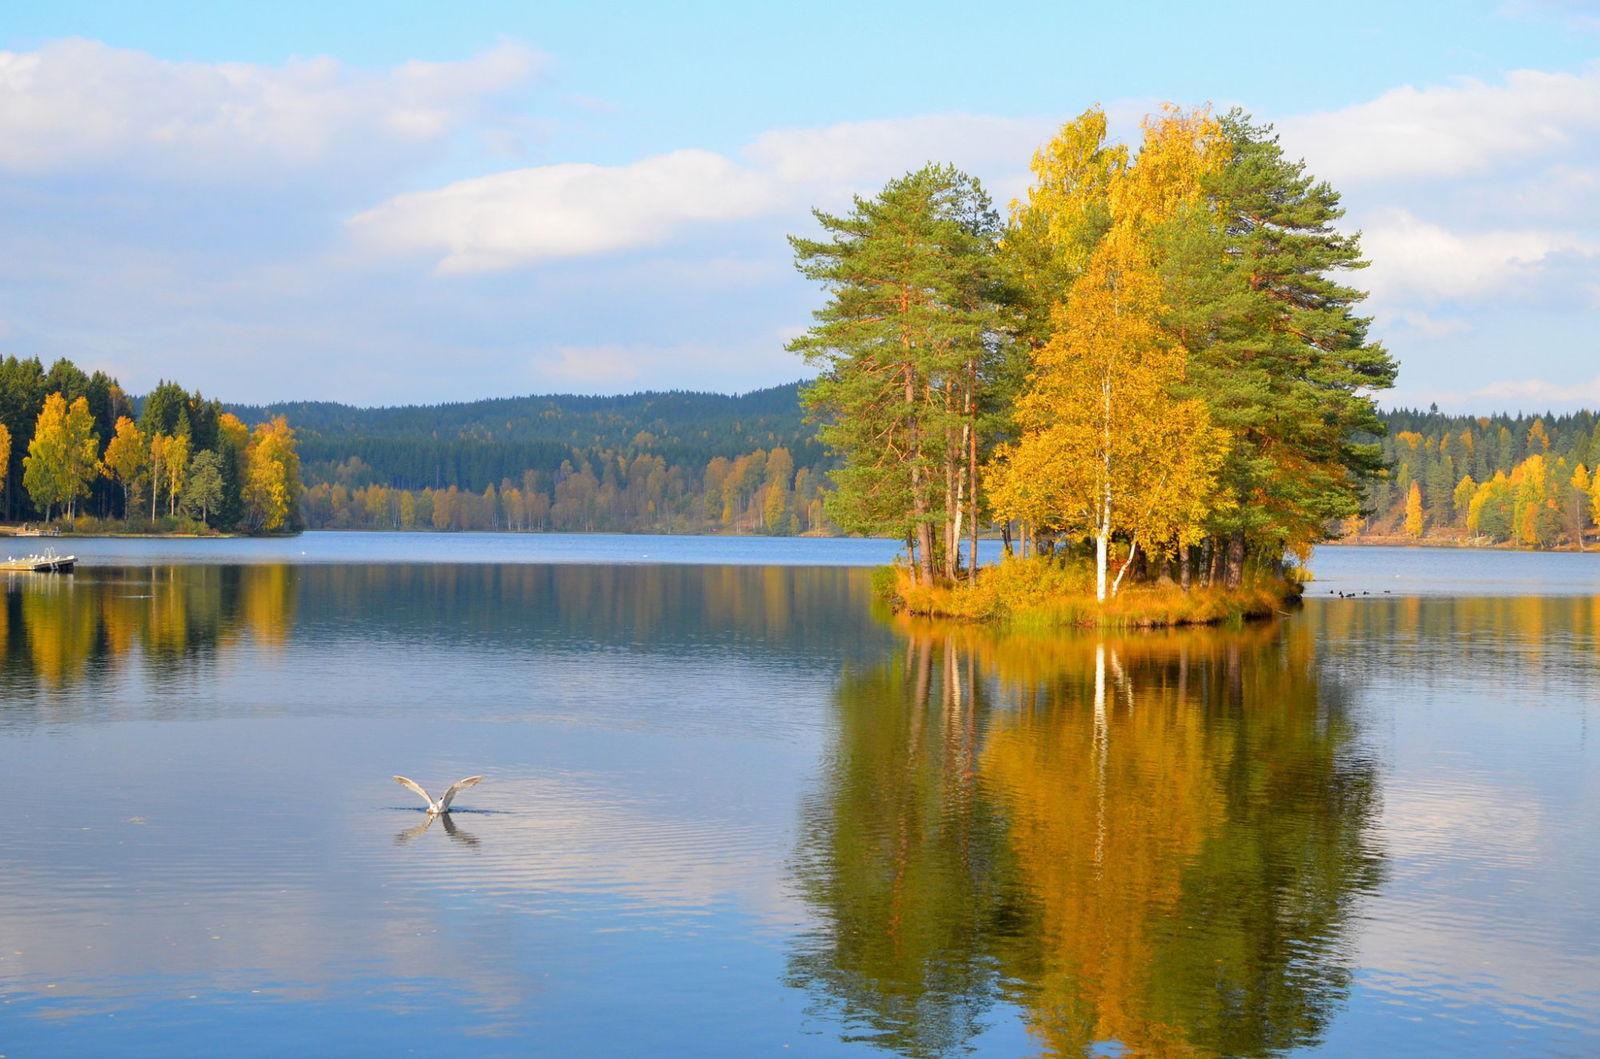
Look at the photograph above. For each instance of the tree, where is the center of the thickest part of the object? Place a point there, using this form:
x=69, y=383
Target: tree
x=1277, y=350
x=780, y=472
x=158, y=446
x=62, y=456
x=5, y=452
x=204, y=490
x=1594, y=495
x=272, y=486
x=1414, y=512
x=1462, y=499
x=162, y=408
x=1575, y=505
x=126, y=458
x=175, y=457
x=1107, y=449
x=905, y=344
x=233, y=441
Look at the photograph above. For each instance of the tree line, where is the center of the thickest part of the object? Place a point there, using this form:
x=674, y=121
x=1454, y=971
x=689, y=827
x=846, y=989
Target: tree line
x=79, y=447
x=1153, y=361
x=757, y=492
x=472, y=445
x=1525, y=480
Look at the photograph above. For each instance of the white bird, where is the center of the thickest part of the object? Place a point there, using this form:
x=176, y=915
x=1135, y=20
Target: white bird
x=443, y=804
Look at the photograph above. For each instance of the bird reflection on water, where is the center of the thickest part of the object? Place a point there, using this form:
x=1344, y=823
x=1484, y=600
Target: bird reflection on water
x=410, y=834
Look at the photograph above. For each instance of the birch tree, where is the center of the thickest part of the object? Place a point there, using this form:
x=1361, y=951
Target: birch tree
x=1106, y=449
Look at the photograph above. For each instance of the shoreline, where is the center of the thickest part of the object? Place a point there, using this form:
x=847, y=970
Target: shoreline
x=1451, y=543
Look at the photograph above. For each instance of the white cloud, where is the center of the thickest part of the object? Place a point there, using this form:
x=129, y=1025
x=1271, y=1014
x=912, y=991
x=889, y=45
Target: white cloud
x=727, y=366
x=79, y=104
x=852, y=153
x=526, y=216
x=1505, y=395
x=569, y=210
x=1448, y=131
x=1427, y=325
x=1413, y=258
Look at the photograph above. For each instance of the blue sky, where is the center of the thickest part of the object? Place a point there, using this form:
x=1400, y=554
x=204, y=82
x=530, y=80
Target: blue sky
x=413, y=203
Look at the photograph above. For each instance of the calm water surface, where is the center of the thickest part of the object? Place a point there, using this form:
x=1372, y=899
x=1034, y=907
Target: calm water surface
x=728, y=810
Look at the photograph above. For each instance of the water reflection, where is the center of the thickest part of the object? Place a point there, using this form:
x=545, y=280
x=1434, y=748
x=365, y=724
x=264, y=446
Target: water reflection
x=727, y=806
x=455, y=834
x=1156, y=842
x=168, y=622
x=56, y=630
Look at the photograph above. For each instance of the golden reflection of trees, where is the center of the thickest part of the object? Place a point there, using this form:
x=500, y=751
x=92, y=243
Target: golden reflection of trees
x=1109, y=804
x=60, y=626
x=56, y=631
x=267, y=602
x=1152, y=841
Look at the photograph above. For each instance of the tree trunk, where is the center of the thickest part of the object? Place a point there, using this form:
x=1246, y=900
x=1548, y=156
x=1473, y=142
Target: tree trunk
x=1183, y=567
x=919, y=500
x=1102, y=543
x=1235, y=559
x=1133, y=552
x=972, y=492
x=952, y=487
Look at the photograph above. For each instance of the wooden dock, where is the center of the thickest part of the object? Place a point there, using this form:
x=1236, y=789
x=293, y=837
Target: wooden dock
x=48, y=563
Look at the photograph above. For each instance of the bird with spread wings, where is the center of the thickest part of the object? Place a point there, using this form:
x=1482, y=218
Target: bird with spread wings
x=442, y=805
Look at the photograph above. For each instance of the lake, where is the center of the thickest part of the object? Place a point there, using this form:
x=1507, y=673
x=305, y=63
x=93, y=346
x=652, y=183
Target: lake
x=728, y=809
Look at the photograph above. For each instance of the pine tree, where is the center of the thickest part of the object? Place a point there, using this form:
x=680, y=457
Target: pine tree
x=1278, y=351
x=906, y=343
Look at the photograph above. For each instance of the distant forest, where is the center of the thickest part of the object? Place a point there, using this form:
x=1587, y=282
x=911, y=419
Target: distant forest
x=658, y=461
x=1527, y=480
x=687, y=462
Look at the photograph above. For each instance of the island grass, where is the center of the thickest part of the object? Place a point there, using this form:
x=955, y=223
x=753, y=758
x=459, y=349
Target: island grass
x=1046, y=594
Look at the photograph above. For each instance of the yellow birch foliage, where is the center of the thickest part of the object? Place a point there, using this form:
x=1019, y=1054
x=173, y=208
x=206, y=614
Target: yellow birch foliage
x=1105, y=448
x=272, y=470
x=5, y=453
x=1462, y=499
x=1067, y=209
x=63, y=457
x=1414, y=511
x=127, y=455
x=175, y=470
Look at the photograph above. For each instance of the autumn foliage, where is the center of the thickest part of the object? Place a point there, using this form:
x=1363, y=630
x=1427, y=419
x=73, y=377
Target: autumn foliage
x=1152, y=369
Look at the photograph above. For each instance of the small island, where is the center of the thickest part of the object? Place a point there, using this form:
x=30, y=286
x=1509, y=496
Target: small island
x=1152, y=380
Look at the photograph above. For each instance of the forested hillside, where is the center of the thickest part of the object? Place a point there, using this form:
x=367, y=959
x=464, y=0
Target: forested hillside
x=1527, y=480
x=475, y=444
x=645, y=462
